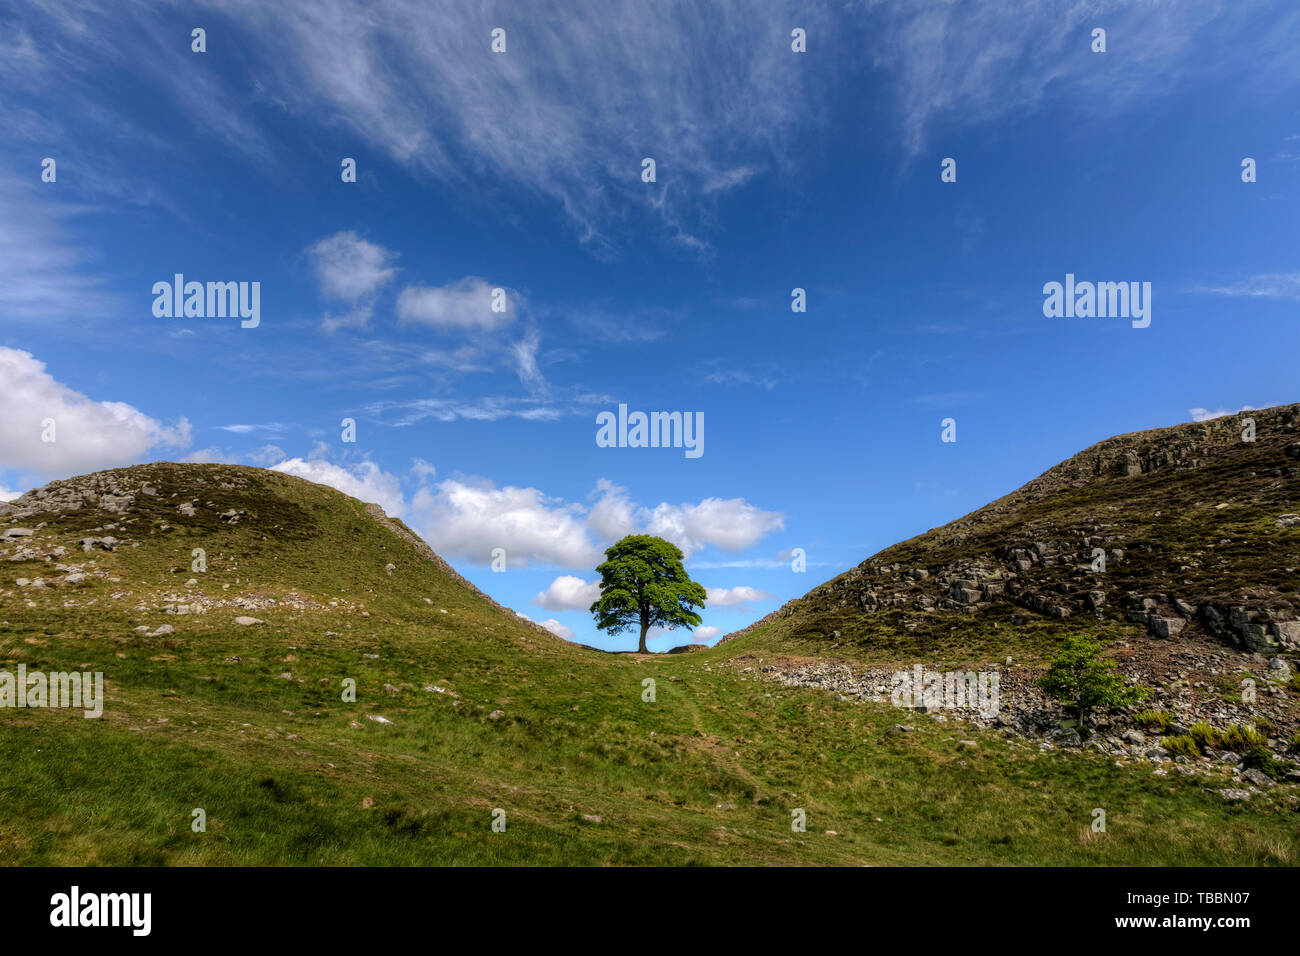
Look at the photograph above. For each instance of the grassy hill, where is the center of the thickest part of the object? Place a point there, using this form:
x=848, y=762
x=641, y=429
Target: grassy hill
x=462, y=708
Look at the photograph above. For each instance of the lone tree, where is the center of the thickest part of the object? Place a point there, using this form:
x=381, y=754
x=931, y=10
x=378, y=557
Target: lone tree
x=1085, y=681
x=643, y=582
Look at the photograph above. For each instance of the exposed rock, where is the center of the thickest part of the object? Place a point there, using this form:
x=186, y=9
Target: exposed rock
x=1167, y=626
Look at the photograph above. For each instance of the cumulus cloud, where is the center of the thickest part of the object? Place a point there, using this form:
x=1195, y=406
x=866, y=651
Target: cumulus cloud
x=349, y=267
x=556, y=628
x=551, y=624
x=7, y=495
x=364, y=480
x=613, y=515
x=89, y=435
x=469, y=520
x=463, y=305
x=707, y=633
x=567, y=593
x=738, y=598
x=730, y=524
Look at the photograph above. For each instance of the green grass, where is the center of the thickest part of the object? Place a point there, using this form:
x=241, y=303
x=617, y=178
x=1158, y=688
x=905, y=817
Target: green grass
x=1153, y=721
x=289, y=773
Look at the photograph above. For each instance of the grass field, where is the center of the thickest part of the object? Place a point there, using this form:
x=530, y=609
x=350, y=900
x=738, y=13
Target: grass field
x=586, y=771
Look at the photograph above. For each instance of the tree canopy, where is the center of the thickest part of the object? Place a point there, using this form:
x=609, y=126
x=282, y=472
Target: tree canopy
x=1085, y=681
x=643, y=582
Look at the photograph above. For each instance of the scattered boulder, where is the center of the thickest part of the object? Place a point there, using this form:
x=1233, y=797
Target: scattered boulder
x=1167, y=626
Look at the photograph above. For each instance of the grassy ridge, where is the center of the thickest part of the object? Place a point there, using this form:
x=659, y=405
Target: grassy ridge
x=289, y=773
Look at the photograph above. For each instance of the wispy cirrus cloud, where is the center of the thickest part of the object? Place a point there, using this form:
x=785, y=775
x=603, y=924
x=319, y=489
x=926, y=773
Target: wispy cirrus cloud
x=43, y=272
x=971, y=62
x=1269, y=285
x=583, y=92
x=489, y=408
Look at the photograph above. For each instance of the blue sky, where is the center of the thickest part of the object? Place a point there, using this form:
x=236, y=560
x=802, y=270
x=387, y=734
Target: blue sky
x=522, y=171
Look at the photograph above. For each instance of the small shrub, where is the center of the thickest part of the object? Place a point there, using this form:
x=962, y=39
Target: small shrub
x=1243, y=738
x=1205, y=736
x=1182, y=746
x=1156, y=721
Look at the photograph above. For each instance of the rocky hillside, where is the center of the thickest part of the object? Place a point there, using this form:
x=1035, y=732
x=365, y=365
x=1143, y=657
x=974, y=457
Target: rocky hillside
x=193, y=539
x=1193, y=528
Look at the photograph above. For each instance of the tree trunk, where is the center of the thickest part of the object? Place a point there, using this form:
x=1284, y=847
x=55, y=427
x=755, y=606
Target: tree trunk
x=645, y=626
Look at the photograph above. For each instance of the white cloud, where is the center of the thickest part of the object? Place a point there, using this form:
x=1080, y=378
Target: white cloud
x=1269, y=285
x=7, y=495
x=365, y=481
x=582, y=93
x=525, y=355
x=613, y=515
x=707, y=633
x=737, y=598
x=731, y=524
x=469, y=520
x=212, y=455
x=267, y=455
x=349, y=268
x=567, y=593
x=1205, y=414
x=556, y=628
x=976, y=62
x=551, y=624
x=89, y=435
x=355, y=318
x=272, y=428
x=489, y=408
x=463, y=305
x=40, y=269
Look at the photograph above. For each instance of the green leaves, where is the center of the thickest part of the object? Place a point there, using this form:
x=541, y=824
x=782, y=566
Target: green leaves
x=1084, y=680
x=643, y=584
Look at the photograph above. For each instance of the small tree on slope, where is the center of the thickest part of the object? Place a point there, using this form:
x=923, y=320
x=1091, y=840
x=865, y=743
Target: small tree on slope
x=642, y=582
x=1085, y=681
